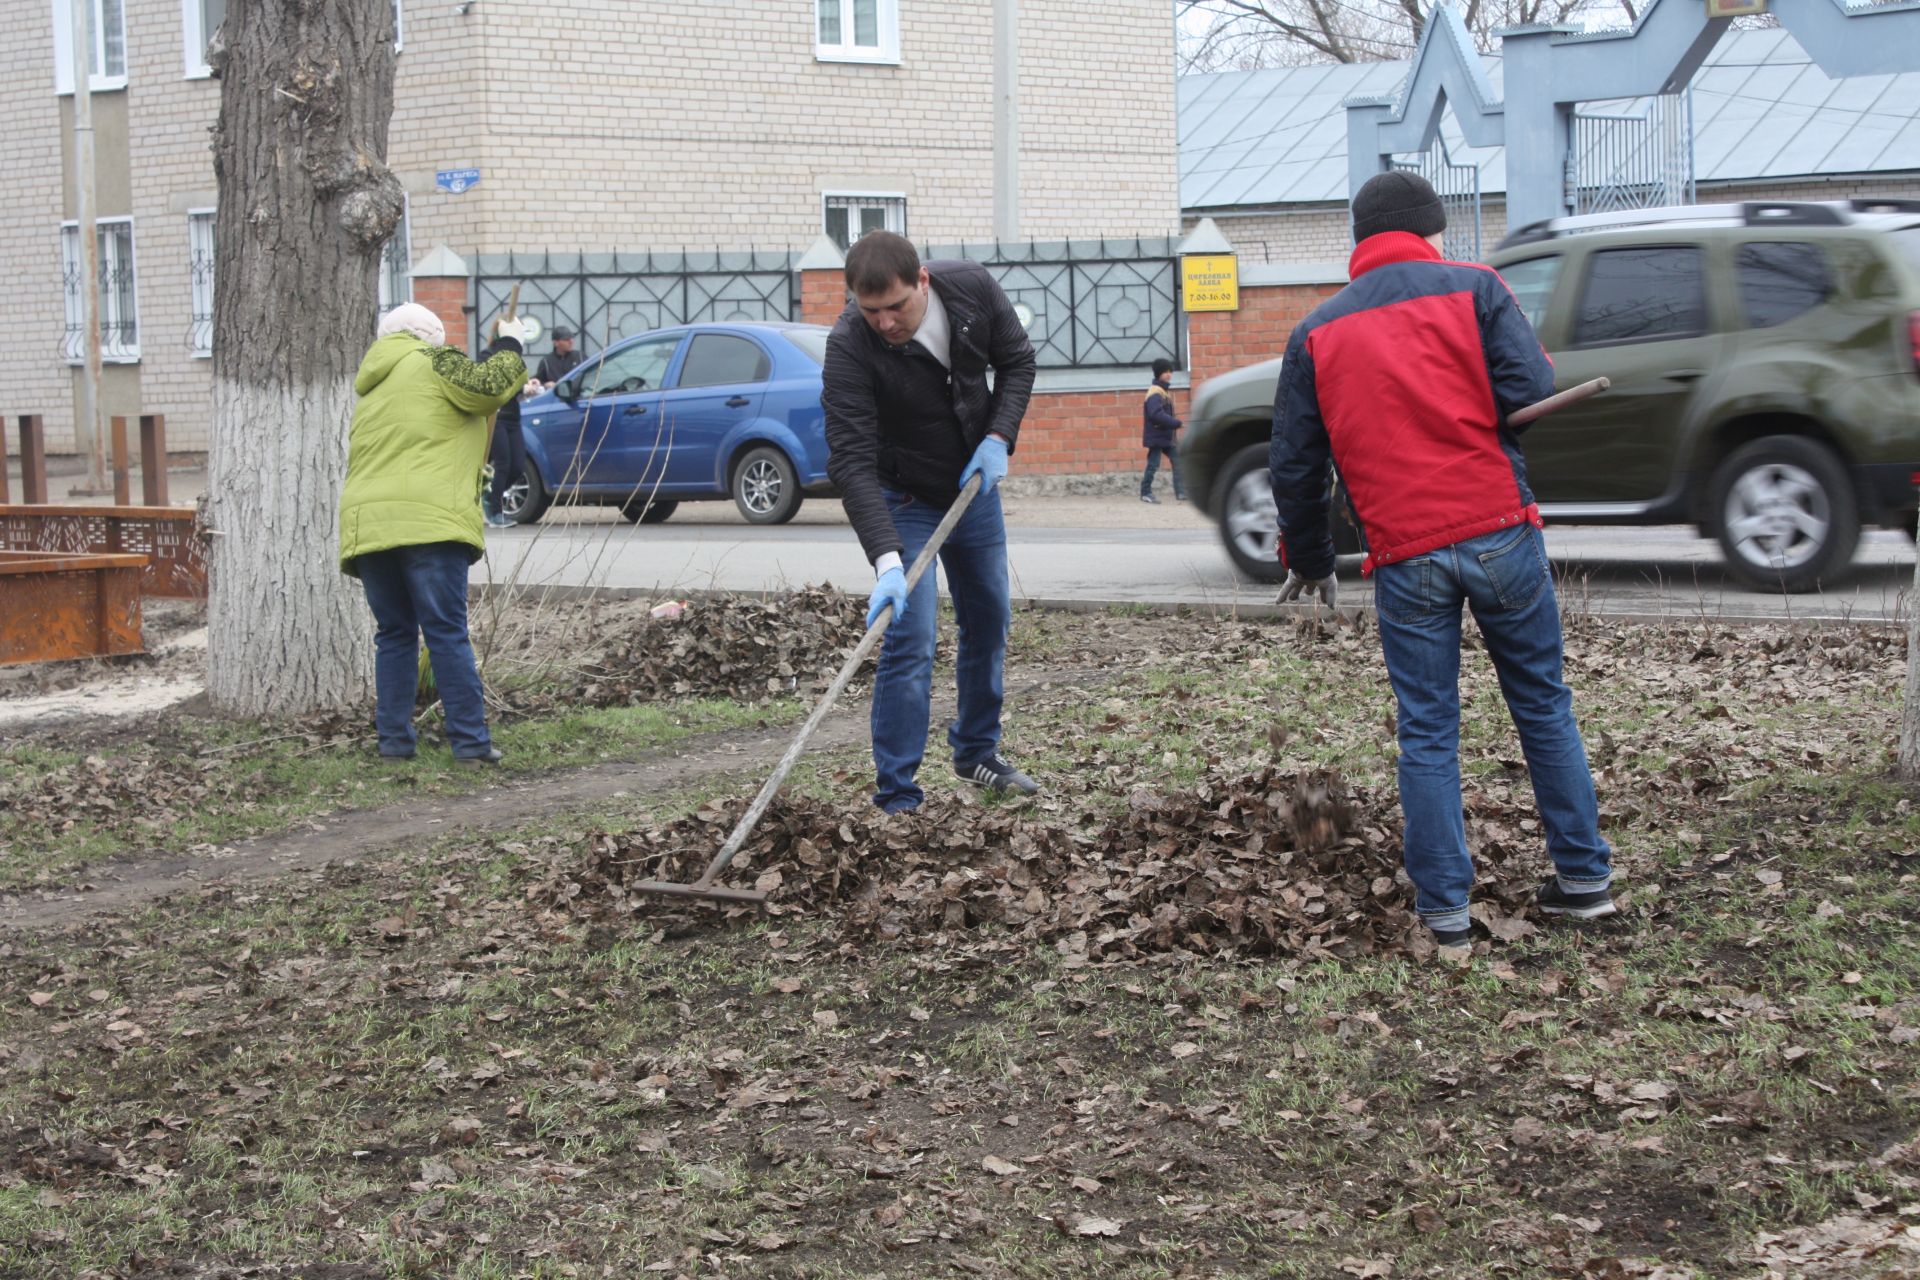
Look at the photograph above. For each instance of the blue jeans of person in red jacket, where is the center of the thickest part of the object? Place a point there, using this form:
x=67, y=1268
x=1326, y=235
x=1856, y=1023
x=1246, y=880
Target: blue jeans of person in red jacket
x=1504, y=578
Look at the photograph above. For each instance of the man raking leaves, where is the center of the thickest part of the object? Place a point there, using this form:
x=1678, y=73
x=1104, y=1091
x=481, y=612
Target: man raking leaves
x=1411, y=381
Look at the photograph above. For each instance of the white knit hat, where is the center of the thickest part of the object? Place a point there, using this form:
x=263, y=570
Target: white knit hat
x=411, y=317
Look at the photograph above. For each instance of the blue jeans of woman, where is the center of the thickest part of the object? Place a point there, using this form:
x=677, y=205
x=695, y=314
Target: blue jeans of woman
x=1503, y=577
x=1154, y=454
x=416, y=591
x=975, y=559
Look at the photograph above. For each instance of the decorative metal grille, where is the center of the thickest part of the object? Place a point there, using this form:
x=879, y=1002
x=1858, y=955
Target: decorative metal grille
x=1094, y=302
x=200, y=283
x=1458, y=186
x=1633, y=161
x=119, y=317
x=847, y=218
x=604, y=297
x=396, y=261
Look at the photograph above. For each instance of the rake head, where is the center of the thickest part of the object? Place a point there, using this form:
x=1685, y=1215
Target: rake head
x=709, y=892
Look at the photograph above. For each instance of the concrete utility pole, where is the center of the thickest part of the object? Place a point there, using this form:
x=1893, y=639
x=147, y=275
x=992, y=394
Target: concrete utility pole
x=1006, y=120
x=86, y=432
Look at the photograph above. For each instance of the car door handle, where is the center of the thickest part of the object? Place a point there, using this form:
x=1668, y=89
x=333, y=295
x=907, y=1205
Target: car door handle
x=1686, y=375
x=738, y=401
x=634, y=409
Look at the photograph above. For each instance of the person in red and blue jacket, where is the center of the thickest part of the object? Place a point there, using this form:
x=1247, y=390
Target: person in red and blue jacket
x=1403, y=381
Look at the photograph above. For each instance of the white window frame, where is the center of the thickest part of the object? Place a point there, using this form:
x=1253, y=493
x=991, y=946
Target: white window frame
x=893, y=202
x=98, y=82
x=110, y=313
x=887, y=51
x=194, y=40
x=200, y=291
x=195, y=37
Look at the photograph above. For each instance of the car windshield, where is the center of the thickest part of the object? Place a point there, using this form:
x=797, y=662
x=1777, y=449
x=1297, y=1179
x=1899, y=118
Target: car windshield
x=811, y=341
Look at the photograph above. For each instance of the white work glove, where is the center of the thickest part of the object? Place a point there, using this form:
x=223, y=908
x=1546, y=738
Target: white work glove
x=1327, y=588
x=519, y=330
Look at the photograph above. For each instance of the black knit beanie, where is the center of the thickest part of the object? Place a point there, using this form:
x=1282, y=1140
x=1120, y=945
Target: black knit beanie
x=1397, y=201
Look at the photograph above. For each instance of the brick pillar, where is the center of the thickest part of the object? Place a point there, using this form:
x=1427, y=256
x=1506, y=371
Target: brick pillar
x=440, y=285
x=823, y=282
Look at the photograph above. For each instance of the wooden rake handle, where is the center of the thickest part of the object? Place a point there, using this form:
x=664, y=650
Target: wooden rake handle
x=1572, y=395
x=881, y=621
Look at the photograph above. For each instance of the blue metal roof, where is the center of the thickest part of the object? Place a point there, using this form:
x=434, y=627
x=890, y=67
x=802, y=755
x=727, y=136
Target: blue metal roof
x=1761, y=111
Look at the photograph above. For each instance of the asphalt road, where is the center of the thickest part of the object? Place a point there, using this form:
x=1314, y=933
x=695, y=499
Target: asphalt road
x=1091, y=549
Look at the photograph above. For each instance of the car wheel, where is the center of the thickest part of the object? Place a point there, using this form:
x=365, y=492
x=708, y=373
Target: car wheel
x=528, y=500
x=1785, y=514
x=645, y=510
x=765, y=486
x=1248, y=518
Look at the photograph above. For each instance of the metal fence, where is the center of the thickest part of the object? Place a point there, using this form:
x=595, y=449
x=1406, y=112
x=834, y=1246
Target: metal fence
x=604, y=297
x=1620, y=162
x=1091, y=303
x=1086, y=303
x=1458, y=186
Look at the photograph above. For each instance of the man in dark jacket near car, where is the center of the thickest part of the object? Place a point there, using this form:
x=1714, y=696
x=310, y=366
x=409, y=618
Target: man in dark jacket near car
x=1405, y=378
x=1158, y=431
x=909, y=420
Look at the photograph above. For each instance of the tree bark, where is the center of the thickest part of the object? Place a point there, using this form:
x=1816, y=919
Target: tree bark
x=306, y=202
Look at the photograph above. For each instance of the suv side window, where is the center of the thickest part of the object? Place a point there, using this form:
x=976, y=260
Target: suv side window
x=1642, y=295
x=720, y=359
x=1532, y=285
x=1780, y=280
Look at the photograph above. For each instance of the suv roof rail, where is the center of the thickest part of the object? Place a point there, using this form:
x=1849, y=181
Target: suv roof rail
x=1752, y=213
x=1883, y=204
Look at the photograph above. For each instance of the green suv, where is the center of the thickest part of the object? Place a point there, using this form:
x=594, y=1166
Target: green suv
x=1765, y=360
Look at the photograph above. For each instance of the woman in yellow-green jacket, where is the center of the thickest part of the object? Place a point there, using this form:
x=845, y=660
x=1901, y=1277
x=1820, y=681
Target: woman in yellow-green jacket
x=410, y=522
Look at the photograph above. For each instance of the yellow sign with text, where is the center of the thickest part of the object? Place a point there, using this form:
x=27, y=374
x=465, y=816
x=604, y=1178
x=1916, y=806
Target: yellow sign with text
x=1210, y=282
x=1735, y=8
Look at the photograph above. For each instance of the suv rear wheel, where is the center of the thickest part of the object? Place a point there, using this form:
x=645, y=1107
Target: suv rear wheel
x=1785, y=514
x=1249, y=521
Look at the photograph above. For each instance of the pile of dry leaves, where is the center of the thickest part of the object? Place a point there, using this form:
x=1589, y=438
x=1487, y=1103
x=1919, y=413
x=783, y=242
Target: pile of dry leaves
x=1275, y=862
x=730, y=647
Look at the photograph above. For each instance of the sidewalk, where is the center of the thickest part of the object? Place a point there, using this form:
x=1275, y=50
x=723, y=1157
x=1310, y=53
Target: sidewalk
x=1032, y=502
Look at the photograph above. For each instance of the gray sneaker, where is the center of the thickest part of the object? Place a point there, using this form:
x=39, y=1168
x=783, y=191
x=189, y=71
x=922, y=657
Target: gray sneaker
x=1555, y=901
x=995, y=774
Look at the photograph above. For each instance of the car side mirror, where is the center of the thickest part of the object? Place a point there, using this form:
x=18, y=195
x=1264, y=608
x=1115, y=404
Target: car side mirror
x=567, y=390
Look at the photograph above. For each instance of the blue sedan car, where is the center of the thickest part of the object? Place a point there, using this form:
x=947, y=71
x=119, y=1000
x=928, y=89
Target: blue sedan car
x=688, y=414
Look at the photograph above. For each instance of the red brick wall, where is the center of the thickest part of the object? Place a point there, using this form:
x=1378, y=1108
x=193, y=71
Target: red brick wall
x=1095, y=432
x=823, y=296
x=1221, y=340
x=446, y=297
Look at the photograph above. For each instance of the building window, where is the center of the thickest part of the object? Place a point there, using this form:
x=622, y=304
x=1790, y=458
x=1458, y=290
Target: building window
x=199, y=19
x=200, y=282
x=118, y=302
x=849, y=215
x=108, y=39
x=857, y=30
x=396, y=265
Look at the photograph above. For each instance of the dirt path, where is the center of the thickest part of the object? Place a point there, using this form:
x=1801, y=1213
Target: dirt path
x=363, y=833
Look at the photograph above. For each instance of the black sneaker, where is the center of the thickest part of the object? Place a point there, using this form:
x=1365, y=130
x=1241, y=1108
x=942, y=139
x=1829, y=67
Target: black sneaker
x=995, y=774
x=1555, y=901
x=492, y=756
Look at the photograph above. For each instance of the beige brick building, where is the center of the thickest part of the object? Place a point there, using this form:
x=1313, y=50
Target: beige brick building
x=595, y=125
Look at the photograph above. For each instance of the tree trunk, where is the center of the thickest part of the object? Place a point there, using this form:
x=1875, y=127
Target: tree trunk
x=1910, y=710
x=306, y=201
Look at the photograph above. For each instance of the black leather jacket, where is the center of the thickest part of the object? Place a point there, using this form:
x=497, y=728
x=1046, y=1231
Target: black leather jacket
x=866, y=452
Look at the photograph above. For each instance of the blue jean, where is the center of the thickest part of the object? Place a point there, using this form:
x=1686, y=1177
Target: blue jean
x=416, y=591
x=1503, y=577
x=1154, y=453
x=975, y=558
